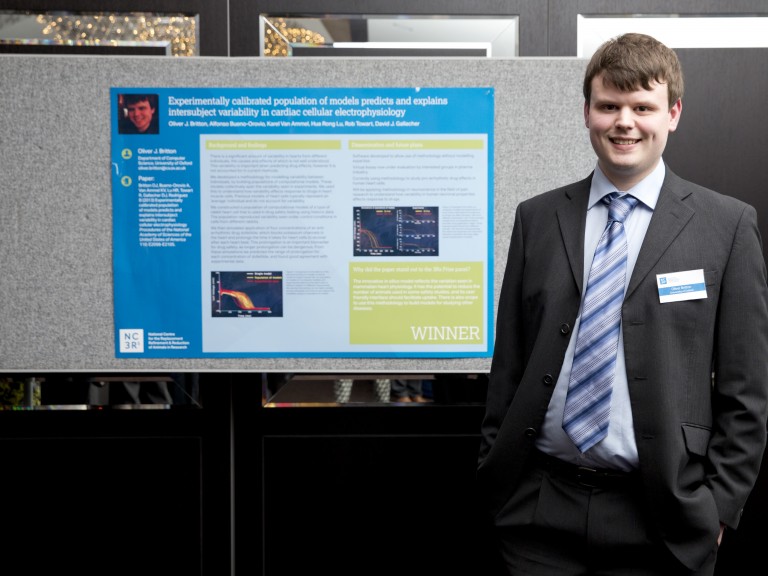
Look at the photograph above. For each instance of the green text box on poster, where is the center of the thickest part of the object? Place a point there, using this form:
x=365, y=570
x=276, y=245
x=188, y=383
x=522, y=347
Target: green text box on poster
x=404, y=303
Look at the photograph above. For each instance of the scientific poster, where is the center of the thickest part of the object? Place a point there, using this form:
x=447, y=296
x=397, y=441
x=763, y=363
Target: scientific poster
x=302, y=222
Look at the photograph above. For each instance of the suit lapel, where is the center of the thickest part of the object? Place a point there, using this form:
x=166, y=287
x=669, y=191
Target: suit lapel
x=572, y=216
x=669, y=217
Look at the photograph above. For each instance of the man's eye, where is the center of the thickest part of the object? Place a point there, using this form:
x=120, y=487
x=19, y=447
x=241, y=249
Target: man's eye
x=643, y=108
x=609, y=107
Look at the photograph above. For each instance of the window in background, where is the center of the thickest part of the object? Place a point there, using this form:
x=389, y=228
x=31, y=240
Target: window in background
x=674, y=30
x=358, y=35
x=105, y=33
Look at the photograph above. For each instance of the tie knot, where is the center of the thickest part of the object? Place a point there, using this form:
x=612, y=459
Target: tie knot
x=619, y=207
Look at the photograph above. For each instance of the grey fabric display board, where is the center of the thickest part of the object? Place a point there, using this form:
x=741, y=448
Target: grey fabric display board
x=56, y=293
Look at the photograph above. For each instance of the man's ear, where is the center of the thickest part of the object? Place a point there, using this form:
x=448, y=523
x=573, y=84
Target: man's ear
x=674, y=114
x=586, y=113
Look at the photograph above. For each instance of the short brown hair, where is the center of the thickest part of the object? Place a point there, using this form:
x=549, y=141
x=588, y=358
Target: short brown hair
x=631, y=61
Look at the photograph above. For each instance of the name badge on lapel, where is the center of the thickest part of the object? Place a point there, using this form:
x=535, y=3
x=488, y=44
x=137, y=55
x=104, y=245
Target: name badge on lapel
x=678, y=286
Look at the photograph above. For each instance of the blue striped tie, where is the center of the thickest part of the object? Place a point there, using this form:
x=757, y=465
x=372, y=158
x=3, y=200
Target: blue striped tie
x=588, y=404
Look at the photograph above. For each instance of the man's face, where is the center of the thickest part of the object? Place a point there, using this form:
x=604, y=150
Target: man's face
x=141, y=114
x=629, y=130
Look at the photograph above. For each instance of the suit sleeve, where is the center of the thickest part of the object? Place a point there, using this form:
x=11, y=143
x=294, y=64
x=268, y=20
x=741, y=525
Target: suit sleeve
x=508, y=362
x=740, y=394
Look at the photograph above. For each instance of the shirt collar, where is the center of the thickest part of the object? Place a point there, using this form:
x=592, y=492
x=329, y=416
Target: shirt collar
x=647, y=190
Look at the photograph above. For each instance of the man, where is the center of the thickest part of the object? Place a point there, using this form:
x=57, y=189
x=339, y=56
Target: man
x=140, y=110
x=675, y=380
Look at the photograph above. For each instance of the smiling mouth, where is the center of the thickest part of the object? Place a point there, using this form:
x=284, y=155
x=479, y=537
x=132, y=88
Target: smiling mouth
x=623, y=141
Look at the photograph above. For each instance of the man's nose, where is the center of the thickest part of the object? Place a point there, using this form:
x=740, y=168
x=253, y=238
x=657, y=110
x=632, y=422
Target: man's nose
x=625, y=118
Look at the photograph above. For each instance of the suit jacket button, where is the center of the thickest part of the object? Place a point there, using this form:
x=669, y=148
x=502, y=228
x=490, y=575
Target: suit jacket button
x=530, y=432
x=548, y=379
x=565, y=328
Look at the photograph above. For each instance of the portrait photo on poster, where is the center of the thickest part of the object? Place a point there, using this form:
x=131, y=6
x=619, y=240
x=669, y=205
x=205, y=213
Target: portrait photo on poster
x=138, y=114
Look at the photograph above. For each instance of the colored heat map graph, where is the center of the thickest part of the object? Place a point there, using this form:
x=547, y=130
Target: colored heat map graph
x=247, y=294
x=396, y=231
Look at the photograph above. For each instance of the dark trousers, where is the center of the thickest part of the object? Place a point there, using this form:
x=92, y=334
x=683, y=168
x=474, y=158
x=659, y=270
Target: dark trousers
x=556, y=524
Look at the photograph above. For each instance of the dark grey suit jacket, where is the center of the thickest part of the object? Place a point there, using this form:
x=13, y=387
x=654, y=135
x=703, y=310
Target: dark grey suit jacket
x=700, y=440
